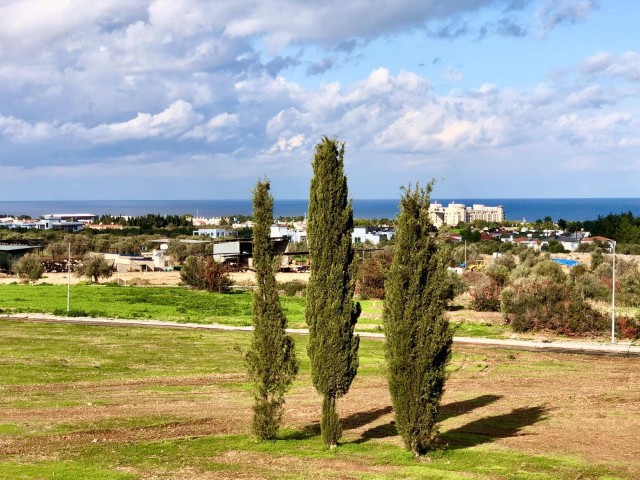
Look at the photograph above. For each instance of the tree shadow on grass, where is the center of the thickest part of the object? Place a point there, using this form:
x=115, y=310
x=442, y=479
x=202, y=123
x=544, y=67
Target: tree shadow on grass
x=380, y=431
x=307, y=432
x=448, y=411
x=456, y=409
x=360, y=419
x=351, y=422
x=489, y=429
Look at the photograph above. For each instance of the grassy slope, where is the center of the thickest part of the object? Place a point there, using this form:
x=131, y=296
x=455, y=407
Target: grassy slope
x=181, y=305
x=40, y=361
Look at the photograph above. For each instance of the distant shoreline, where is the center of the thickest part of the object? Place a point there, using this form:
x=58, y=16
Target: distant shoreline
x=531, y=209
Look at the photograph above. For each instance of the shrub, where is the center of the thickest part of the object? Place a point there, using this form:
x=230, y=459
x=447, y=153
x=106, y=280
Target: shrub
x=554, y=246
x=484, y=290
x=589, y=285
x=29, y=268
x=206, y=274
x=539, y=303
x=506, y=260
x=372, y=274
x=549, y=269
x=499, y=274
x=74, y=312
x=596, y=258
x=192, y=272
x=628, y=327
x=217, y=277
x=293, y=288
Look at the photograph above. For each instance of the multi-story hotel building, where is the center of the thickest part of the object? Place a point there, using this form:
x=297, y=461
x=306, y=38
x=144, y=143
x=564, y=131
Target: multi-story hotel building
x=456, y=213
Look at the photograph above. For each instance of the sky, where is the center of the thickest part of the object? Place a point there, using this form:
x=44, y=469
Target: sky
x=188, y=99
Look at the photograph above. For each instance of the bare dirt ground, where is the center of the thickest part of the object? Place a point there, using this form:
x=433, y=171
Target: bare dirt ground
x=539, y=403
x=156, y=278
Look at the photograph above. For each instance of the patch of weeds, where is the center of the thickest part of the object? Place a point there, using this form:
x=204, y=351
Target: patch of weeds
x=10, y=429
x=74, y=312
x=60, y=470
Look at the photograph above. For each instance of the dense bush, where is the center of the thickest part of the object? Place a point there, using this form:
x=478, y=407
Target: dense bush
x=372, y=274
x=590, y=286
x=549, y=269
x=484, y=290
x=539, y=303
x=628, y=327
x=554, y=246
x=293, y=288
x=206, y=274
x=29, y=268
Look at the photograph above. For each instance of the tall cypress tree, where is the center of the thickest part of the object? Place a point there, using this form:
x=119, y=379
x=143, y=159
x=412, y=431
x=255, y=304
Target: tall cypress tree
x=418, y=342
x=331, y=313
x=271, y=361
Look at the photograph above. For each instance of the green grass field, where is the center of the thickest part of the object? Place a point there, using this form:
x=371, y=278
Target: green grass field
x=82, y=402
x=183, y=305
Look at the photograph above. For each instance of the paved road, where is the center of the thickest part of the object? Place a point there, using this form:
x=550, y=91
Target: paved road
x=588, y=348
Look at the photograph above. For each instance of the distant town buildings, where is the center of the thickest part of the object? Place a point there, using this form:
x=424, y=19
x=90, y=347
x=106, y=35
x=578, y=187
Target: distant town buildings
x=373, y=235
x=214, y=232
x=456, y=213
x=70, y=222
x=202, y=221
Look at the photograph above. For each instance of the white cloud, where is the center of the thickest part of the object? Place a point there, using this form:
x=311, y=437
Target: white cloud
x=173, y=121
x=18, y=130
x=626, y=65
x=286, y=145
x=215, y=129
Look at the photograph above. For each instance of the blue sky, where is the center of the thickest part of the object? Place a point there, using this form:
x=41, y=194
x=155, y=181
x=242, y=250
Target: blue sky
x=184, y=99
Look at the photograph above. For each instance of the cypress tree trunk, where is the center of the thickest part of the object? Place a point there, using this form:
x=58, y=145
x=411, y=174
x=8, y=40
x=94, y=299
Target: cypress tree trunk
x=418, y=342
x=331, y=313
x=271, y=361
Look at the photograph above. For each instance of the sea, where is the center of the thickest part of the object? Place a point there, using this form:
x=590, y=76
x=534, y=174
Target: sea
x=529, y=209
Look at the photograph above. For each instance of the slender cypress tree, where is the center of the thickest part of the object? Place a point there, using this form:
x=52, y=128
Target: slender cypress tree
x=418, y=342
x=331, y=313
x=272, y=360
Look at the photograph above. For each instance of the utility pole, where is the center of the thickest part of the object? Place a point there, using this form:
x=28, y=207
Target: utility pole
x=465, y=254
x=613, y=293
x=69, y=280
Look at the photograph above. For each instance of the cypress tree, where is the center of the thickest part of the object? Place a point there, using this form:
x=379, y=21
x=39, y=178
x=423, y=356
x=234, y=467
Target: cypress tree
x=418, y=342
x=331, y=313
x=271, y=360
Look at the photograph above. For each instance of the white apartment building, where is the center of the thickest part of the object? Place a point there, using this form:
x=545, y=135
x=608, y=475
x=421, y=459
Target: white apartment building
x=456, y=213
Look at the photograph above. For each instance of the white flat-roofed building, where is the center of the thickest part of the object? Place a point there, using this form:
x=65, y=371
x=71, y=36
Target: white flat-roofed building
x=51, y=222
x=73, y=217
x=280, y=230
x=214, y=232
x=373, y=235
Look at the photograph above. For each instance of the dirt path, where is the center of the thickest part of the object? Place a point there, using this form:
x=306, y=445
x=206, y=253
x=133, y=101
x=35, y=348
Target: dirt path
x=588, y=348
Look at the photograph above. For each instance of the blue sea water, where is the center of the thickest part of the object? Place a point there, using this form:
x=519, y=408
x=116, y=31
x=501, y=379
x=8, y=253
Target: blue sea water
x=515, y=208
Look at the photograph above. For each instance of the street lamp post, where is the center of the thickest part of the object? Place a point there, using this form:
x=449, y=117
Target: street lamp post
x=613, y=293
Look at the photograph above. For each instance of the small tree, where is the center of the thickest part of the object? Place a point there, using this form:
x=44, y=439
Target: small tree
x=216, y=276
x=418, y=337
x=597, y=258
x=372, y=274
x=272, y=359
x=205, y=274
x=29, y=268
x=94, y=266
x=330, y=312
x=57, y=250
x=177, y=250
x=192, y=272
